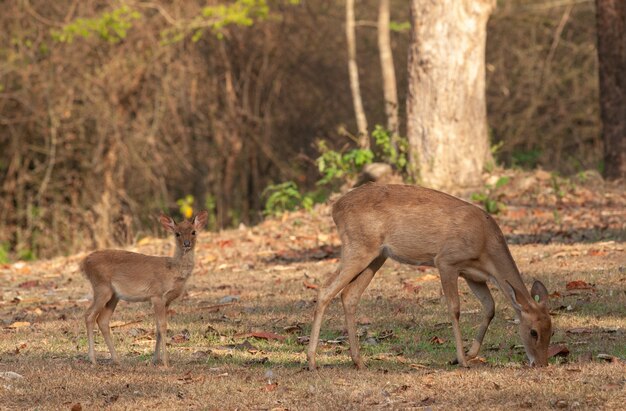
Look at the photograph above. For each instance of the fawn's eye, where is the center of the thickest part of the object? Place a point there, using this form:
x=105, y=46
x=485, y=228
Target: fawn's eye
x=533, y=333
x=193, y=233
x=177, y=234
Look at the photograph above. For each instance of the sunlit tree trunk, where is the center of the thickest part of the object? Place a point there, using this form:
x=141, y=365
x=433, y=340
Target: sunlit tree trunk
x=353, y=70
x=611, y=23
x=388, y=70
x=446, y=111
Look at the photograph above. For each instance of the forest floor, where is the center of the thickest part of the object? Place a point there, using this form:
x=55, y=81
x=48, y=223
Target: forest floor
x=237, y=339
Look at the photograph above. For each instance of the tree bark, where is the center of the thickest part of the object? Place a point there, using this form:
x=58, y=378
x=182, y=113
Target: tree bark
x=390, y=91
x=446, y=110
x=611, y=24
x=353, y=70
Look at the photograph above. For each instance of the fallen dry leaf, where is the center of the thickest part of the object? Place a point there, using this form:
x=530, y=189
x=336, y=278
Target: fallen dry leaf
x=578, y=285
x=225, y=243
x=29, y=284
x=408, y=286
x=295, y=328
x=437, y=340
x=427, y=277
x=579, y=330
x=181, y=337
x=119, y=324
x=477, y=360
x=559, y=350
x=608, y=358
x=597, y=253
x=310, y=285
x=263, y=335
x=19, y=324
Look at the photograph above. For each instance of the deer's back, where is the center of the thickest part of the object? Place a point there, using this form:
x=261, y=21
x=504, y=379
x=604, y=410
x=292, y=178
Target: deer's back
x=412, y=223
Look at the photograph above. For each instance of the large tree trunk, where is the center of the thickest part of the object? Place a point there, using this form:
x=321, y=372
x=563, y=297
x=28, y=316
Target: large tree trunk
x=388, y=70
x=353, y=70
x=611, y=21
x=446, y=110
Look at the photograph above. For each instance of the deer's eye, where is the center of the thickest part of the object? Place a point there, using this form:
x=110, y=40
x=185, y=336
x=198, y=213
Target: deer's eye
x=533, y=333
x=177, y=234
x=193, y=233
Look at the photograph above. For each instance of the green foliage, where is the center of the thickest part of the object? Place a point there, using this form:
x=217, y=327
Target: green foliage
x=4, y=252
x=285, y=197
x=399, y=26
x=557, y=187
x=110, y=26
x=394, y=149
x=488, y=199
x=333, y=165
x=210, y=205
x=26, y=254
x=185, y=205
x=526, y=159
x=216, y=18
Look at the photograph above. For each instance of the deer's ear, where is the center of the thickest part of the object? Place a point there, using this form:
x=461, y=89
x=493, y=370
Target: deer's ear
x=200, y=221
x=517, y=300
x=167, y=223
x=539, y=292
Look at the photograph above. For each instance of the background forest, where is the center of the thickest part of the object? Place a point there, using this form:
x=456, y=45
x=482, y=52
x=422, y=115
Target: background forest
x=113, y=111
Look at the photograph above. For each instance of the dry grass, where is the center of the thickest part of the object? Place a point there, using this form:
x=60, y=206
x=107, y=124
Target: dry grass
x=215, y=368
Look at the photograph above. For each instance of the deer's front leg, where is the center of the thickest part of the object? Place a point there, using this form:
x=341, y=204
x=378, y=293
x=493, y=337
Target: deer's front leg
x=481, y=291
x=449, y=282
x=160, y=313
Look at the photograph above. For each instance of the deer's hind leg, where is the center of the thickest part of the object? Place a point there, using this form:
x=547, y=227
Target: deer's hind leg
x=101, y=296
x=352, y=264
x=103, y=324
x=350, y=297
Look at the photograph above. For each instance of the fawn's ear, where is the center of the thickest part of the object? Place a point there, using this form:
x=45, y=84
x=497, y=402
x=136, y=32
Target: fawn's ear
x=539, y=292
x=167, y=223
x=200, y=221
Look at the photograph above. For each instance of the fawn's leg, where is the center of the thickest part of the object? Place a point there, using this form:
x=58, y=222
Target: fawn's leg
x=103, y=323
x=101, y=295
x=350, y=268
x=481, y=291
x=350, y=297
x=160, y=314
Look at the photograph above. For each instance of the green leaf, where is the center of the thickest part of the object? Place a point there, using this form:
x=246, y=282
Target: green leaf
x=502, y=181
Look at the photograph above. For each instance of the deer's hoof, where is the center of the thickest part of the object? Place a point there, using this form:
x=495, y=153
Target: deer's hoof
x=463, y=364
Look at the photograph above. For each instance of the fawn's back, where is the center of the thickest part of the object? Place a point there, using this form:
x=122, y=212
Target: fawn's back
x=132, y=276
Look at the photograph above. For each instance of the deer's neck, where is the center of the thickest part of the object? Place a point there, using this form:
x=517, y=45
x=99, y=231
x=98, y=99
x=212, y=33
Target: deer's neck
x=184, y=262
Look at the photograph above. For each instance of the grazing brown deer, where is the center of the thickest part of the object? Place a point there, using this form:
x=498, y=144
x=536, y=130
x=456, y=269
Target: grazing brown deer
x=121, y=275
x=416, y=225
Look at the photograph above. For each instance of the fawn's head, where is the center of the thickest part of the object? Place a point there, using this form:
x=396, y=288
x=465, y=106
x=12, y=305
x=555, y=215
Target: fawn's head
x=186, y=230
x=535, y=325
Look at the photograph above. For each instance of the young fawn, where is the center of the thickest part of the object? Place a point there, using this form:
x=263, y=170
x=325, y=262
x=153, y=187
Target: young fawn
x=416, y=225
x=121, y=275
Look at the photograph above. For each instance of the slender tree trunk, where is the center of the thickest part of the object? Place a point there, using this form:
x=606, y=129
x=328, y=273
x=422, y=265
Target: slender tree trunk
x=446, y=110
x=353, y=70
x=388, y=70
x=611, y=23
